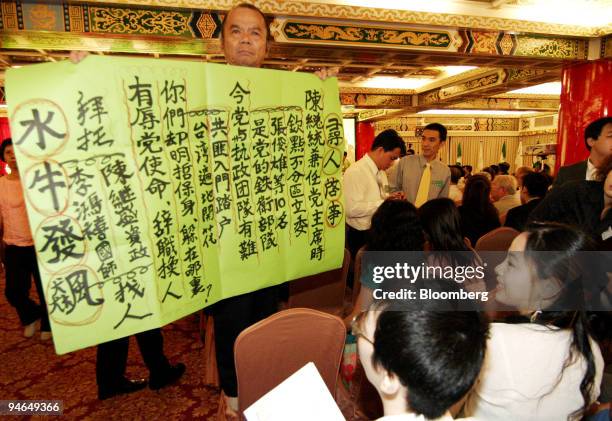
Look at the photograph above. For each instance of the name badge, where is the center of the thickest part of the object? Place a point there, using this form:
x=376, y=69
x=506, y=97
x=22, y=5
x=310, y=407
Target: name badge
x=606, y=234
x=438, y=183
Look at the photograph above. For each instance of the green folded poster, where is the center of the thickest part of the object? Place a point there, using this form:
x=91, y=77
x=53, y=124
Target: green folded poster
x=155, y=188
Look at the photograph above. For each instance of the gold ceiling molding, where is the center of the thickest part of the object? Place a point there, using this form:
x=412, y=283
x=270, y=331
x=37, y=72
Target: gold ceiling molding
x=604, y=30
x=464, y=87
x=118, y=44
x=370, y=114
x=379, y=91
x=559, y=48
x=361, y=100
x=538, y=132
x=515, y=75
x=301, y=31
x=507, y=104
x=527, y=96
x=606, y=47
x=456, y=78
x=318, y=10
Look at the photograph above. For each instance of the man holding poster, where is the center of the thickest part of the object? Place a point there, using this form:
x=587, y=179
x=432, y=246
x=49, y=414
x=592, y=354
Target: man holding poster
x=244, y=38
x=169, y=185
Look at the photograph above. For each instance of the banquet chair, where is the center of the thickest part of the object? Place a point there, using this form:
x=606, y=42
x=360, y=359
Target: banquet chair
x=270, y=351
x=323, y=291
x=357, y=274
x=498, y=239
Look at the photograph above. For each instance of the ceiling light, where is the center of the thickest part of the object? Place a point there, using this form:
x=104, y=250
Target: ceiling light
x=551, y=88
x=389, y=82
x=473, y=112
x=455, y=70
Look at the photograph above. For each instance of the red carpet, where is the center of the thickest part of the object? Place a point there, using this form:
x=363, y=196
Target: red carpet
x=30, y=369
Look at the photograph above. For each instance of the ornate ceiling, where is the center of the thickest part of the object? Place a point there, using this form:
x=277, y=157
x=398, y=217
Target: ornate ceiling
x=503, y=53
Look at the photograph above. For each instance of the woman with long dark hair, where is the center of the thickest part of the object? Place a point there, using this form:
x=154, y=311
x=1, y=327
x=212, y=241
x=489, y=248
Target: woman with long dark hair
x=545, y=365
x=478, y=215
x=442, y=227
x=395, y=227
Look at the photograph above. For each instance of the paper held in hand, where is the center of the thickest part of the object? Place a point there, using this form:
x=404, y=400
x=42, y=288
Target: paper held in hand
x=302, y=397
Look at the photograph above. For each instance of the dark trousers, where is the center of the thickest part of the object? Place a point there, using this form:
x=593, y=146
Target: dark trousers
x=355, y=239
x=20, y=264
x=112, y=357
x=231, y=316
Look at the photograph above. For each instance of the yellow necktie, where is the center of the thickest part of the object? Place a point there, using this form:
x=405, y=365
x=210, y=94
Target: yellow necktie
x=423, y=192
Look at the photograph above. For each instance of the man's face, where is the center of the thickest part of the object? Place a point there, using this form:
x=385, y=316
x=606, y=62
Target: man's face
x=524, y=195
x=496, y=191
x=365, y=346
x=9, y=157
x=602, y=146
x=244, y=38
x=430, y=144
x=608, y=186
x=385, y=159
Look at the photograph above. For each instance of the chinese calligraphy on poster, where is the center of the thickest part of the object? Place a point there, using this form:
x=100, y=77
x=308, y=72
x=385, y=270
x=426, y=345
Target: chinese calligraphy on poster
x=155, y=188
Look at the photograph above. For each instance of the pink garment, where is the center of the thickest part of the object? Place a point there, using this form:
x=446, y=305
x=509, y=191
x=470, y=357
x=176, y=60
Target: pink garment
x=14, y=217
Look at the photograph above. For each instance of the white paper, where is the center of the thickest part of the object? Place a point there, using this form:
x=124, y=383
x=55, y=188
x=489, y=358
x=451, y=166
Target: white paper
x=301, y=397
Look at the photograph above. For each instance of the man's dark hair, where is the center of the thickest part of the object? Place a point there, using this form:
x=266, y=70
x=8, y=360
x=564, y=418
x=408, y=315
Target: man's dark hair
x=491, y=171
x=252, y=7
x=593, y=130
x=437, y=355
x=456, y=173
x=439, y=128
x=495, y=168
x=468, y=167
x=5, y=144
x=403, y=150
x=504, y=167
x=536, y=184
x=388, y=140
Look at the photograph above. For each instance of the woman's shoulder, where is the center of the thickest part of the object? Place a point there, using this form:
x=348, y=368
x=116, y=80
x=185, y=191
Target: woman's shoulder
x=523, y=331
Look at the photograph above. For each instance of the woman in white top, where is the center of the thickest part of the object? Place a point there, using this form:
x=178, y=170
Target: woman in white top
x=551, y=368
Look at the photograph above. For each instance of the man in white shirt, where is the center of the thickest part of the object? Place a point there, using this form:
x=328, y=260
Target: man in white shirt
x=598, y=140
x=366, y=186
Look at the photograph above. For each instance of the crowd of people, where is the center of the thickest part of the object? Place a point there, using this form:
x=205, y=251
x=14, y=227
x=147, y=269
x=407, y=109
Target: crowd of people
x=542, y=360
x=539, y=364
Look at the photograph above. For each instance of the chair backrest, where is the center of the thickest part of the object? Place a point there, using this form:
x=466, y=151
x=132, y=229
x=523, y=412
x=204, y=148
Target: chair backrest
x=270, y=351
x=497, y=240
x=323, y=291
x=357, y=274
x=502, y=218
